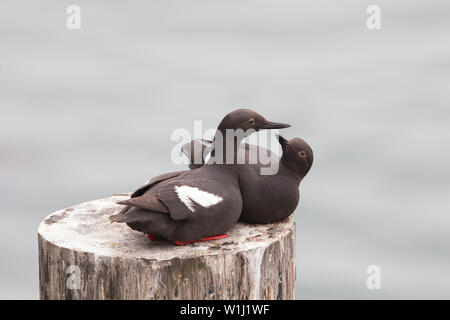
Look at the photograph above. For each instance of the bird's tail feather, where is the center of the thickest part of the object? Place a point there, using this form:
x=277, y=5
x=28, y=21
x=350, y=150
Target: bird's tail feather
x=155, y=223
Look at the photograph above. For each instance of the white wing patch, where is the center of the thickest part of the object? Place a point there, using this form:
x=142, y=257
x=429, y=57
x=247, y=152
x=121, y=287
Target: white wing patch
x=188, y=194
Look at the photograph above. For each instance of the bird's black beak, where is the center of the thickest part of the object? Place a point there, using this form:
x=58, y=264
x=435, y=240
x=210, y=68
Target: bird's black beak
x=275, y=125
x=282, y=141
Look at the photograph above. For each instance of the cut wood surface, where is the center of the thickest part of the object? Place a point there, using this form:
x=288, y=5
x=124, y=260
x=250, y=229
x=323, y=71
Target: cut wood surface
x=82, y=255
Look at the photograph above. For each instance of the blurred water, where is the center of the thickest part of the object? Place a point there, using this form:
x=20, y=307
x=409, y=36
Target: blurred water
x=82, y=113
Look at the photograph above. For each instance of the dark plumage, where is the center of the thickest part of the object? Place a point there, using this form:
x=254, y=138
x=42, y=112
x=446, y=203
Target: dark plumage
x=269, y=198
x=189, y=205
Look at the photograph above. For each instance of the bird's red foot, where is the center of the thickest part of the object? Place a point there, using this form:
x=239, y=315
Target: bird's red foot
x=151, y=237
x=182, y=243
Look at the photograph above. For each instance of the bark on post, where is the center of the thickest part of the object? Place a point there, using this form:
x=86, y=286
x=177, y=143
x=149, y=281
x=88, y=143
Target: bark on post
x=84, y=256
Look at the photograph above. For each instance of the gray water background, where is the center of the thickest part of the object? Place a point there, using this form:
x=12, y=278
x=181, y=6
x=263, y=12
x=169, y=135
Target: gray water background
x=88, y=113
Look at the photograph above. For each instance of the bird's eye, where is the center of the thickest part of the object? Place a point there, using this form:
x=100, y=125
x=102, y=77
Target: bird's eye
x=302, y=154
x=251, y=121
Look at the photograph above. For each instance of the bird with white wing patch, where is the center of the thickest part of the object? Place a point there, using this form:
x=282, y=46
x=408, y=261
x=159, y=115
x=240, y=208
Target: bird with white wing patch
x=199, y=204
x=188, y=194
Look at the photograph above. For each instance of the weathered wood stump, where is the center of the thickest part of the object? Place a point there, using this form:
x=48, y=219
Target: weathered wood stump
x=84, y=256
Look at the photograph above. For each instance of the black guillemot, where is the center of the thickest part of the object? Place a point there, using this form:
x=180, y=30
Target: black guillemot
x=272, y=197
x=197, y=204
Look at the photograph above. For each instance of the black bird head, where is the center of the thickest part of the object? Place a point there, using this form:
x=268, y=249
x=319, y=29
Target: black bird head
x=297, y=155
x=246, y=119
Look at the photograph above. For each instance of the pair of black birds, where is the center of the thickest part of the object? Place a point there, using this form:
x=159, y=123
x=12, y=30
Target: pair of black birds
x=203, y=203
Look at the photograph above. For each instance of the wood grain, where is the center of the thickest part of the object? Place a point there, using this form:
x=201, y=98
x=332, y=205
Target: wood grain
x=84, y=256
